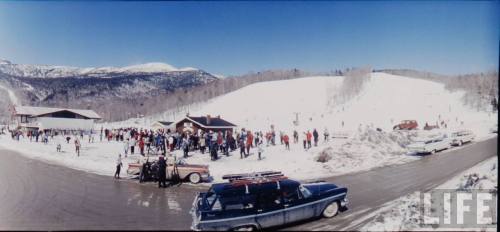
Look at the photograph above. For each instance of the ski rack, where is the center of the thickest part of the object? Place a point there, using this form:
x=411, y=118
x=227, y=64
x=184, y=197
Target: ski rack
x=251, y=176
x=255, y=178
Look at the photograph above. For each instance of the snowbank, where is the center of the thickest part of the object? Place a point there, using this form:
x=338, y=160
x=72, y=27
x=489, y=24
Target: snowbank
x=405, y=213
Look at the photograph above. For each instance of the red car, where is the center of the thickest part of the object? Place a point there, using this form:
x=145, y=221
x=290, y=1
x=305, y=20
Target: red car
x=406, y=125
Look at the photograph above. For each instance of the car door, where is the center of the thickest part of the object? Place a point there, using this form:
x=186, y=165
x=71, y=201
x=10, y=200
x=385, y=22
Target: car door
x=295, y=206
x=270, y=209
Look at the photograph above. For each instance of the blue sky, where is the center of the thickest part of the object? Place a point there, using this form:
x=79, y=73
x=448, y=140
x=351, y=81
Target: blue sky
x=238, y=37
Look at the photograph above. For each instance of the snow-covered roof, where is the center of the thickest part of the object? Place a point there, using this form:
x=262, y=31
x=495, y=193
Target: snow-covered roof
x=65, y=123
x=36, y=111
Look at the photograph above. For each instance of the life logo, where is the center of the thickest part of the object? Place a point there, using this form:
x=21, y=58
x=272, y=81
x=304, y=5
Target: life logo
x=467, y=209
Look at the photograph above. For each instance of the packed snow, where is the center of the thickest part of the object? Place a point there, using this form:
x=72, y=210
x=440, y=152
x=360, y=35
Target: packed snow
x=405, y=212
x=366, y=122
x=385, y=101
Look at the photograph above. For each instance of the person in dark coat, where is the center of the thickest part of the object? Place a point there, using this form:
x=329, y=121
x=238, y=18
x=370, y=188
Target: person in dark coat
x=118, y=166
x=315, y=135
x=162, y=172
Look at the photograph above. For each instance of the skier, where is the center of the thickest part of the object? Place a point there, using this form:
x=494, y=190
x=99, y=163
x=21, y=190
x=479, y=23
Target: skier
x=118, y=166
x=260, y=149
x=326, y=134
x=286, y=140
x=309, y=138
x=77, y=146
x=315, y=135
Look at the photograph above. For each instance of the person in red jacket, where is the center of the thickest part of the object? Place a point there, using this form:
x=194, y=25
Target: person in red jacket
x=286, y=139
x=141, y=145
x=249, y=141
x=309, y=138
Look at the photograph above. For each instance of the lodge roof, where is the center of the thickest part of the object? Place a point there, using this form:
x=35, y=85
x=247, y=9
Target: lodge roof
x=34, y=111
x=213, y=122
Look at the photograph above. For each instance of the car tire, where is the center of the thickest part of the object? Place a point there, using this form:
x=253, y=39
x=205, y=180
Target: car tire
x=331, y=210
x=195, y=178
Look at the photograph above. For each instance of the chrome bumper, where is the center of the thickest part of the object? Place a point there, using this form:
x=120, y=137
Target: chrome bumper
x=344, y=202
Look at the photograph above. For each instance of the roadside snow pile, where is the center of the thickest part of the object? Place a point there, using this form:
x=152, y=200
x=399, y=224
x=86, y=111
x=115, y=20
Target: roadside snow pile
x=405, y=213
x=368, y=148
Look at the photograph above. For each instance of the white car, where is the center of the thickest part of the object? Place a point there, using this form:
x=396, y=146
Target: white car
x=429, y=145
x=460, y=137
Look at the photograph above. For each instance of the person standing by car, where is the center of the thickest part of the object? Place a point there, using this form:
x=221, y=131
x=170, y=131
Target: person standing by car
x=118, y=166
x=185, y=146
x=162, y=172
x=202, y=144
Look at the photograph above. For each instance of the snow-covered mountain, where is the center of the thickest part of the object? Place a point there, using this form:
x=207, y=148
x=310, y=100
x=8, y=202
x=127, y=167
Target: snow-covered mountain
x=50, y=71
x=106, y=89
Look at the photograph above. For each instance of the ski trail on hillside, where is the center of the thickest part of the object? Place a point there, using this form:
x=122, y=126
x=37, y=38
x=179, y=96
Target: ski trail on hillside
x=12, y=96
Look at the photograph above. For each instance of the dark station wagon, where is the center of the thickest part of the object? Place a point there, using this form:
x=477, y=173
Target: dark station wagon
x=262, y=200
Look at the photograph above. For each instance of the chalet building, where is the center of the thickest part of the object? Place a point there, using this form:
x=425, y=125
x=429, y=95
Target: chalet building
x=163, y=125
x=45, y=118
x=204, y=123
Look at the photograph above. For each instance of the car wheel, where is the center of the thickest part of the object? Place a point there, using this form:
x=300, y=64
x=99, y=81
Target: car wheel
x=244, y=228
x=195, y=178
x=331, y=210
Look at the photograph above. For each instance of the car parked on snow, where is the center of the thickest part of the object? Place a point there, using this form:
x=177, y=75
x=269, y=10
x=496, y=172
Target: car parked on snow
x=262, y=200
x=406, y=125
x=460, y=137
x=175, y=168
x=429, y=145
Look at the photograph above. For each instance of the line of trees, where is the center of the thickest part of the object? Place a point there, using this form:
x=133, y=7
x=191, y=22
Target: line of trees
x=354, y=80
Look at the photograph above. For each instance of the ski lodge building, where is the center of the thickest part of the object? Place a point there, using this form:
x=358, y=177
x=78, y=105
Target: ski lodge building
x=203, y=123
x=45, y=118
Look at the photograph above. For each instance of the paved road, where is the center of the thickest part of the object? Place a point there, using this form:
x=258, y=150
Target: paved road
x=37, y=195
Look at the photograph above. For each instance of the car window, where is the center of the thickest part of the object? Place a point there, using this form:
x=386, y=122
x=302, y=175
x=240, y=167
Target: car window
x=211, y=196
x=305, y=192
x=269, y=200
x=217, y=205
x=291, y=195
